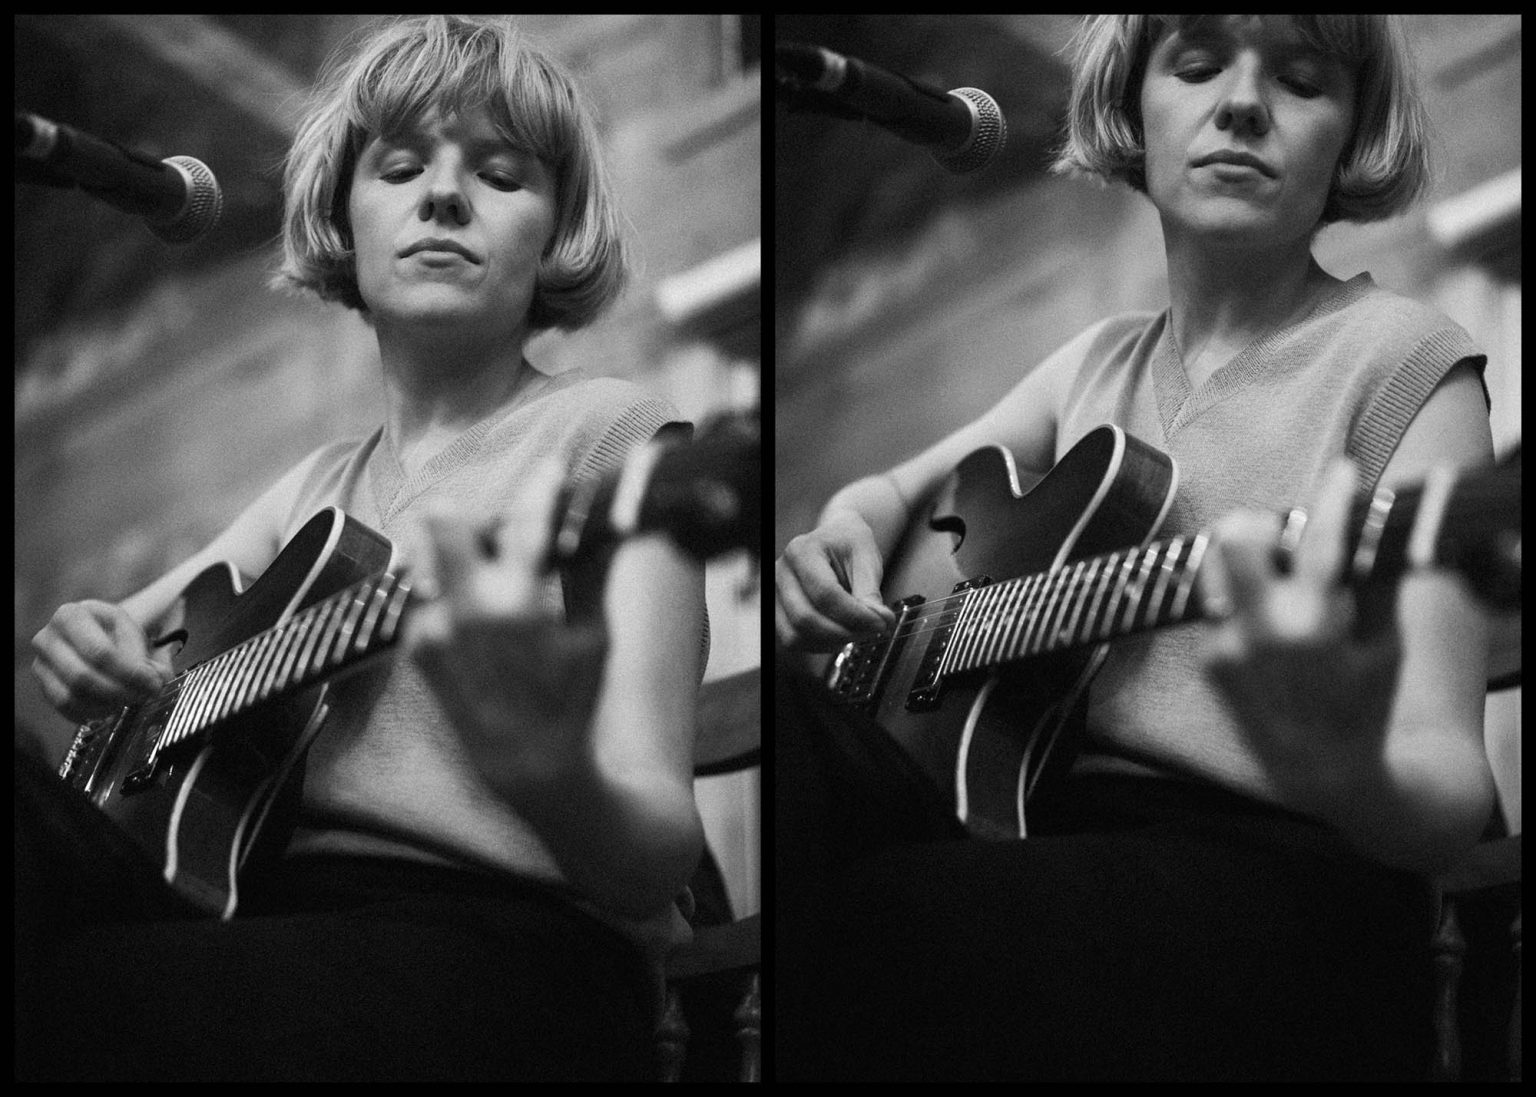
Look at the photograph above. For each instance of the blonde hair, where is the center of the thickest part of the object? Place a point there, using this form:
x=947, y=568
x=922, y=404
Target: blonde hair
x=1385, y=165
x=389, y=80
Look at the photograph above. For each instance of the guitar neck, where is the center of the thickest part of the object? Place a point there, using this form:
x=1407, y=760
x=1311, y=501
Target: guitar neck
x=1081, y=603
x=1100, y=598
x=314, y=644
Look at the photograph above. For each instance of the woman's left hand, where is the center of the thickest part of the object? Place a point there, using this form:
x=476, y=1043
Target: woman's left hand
x=519, y=684
x=1290, y=655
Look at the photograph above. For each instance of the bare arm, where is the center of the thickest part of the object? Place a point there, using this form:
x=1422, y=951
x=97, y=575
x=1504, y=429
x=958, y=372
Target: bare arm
x=827, y=582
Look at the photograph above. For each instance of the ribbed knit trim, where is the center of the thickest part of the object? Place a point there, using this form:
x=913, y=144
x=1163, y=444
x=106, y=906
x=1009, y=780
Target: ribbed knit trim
x=636, y=426
x=1178, y=405
x=1381, y=424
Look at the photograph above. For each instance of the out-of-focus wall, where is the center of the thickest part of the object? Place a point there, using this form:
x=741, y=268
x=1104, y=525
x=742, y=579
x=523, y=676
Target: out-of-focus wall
x=142, y=431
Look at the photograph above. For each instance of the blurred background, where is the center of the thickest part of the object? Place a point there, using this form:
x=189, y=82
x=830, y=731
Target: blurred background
x=909, y=300
x=159, y=389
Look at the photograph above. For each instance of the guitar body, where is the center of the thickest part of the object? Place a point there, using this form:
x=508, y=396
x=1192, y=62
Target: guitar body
x=203, y=810
x=984, y=733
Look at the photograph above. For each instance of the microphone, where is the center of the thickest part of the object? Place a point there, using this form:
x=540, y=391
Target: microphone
x=178, y=197
x=963, y=129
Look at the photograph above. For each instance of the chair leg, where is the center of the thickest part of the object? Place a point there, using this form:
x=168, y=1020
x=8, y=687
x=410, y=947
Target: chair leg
x=672, y=1038
x=1449, y=949
x=749, y=1030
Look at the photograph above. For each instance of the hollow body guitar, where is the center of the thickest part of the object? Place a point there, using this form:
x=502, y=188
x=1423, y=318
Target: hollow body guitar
x=206, y=775
x=981, y=681
x=983, y=734
x=253, y=666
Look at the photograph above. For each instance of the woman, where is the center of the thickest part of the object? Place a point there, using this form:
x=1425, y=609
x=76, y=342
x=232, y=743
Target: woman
x=493, y=831
x=1228, y=887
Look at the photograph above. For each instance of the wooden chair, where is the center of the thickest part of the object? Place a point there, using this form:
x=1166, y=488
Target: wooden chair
x=728, y=954
x=1477, y=955
x=1477, y=947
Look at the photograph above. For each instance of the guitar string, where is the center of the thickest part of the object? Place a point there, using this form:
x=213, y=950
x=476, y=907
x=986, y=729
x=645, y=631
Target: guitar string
x=1406, y=504
x=298, y=619
x=1065, y=591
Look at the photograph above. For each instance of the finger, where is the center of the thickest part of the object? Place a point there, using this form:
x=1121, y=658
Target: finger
x=1244, y=548
x=58, y=694
x=81, y=682
x=1211, y=581
x=825, y=591
x=861, y=572
x=451, y=542
x=103, y=649
x=1320, y=556
x=810, y=627
x=526, y=535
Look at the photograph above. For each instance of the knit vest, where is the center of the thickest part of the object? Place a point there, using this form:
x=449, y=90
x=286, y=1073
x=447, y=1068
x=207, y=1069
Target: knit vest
x=1347, y=378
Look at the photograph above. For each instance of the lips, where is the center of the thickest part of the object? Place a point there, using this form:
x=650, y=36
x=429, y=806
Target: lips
x=439, y=244
x=1242, y=159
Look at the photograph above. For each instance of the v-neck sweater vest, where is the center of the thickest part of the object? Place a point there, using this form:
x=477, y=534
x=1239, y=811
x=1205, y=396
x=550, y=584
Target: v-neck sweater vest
x=1347, y=378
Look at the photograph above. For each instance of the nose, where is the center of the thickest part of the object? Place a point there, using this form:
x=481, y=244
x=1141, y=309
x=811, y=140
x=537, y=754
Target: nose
x=444, y=199
x=1243, y=107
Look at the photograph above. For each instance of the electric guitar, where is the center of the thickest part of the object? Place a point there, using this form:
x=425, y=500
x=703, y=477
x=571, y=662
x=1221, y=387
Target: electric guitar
x=980, y=682
x=206, y=775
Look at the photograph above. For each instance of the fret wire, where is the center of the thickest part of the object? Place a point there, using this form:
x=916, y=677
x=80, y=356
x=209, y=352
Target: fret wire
x=1136, y=589
x=1022, y=593
x=261, y=659
x=328, y=634
x=283, y=639
x=236, y=673
x=396, y=606
x=1048, y=601
x=363, y=594
x=1042, y=611
x=976, y=634
x=1081, y=598
x=1002, y=603
x=948, y=663
x=1095, y=622
x=376, y=604
x=282, y=668
x=1056, y=626
x=229, y=685
x=312, y=635
x=1029, y=594
x=1191, y=569
x=212, y=684
x=1170, y=556
x=181, y=717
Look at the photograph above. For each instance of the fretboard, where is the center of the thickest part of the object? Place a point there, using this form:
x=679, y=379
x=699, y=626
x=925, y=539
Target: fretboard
x=314, y=644
x=1084, y=602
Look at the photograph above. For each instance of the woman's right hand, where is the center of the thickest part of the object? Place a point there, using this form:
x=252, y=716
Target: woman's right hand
x=828, y=585
x=93, y=658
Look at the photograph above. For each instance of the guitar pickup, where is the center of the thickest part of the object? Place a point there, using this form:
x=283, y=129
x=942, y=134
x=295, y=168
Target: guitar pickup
x=928, y=683
x=859, y=670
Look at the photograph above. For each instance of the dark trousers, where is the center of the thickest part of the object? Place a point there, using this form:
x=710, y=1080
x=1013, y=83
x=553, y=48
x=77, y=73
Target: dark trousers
x=1150, y=930
x=335, y=969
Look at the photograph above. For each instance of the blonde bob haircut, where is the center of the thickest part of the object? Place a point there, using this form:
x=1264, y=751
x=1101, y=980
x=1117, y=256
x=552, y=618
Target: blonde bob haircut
x=386, y=83
x=1384, y=167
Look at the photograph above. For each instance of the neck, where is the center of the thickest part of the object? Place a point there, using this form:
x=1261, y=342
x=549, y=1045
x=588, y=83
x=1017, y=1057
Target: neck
x=437, y=384
x=1225, y=299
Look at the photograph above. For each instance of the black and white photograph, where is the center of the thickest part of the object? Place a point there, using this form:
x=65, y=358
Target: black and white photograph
x=388, y=548
x=1146, y=548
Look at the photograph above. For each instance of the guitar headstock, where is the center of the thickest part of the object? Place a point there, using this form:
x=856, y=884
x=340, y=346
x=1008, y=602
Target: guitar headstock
x=1480, y=533
x=704, y=493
